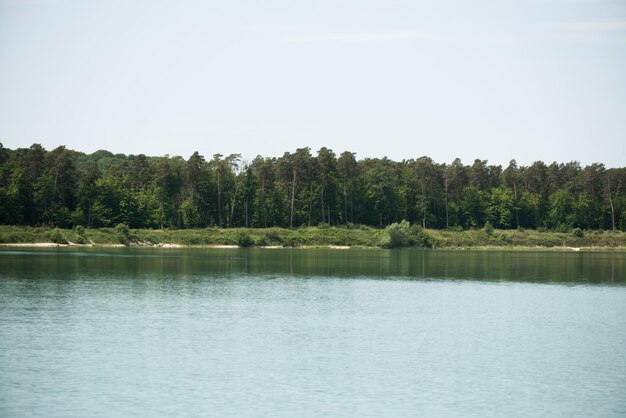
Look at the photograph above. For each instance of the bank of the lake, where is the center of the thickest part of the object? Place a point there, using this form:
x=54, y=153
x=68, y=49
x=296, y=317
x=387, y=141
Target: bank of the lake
x=338, y=237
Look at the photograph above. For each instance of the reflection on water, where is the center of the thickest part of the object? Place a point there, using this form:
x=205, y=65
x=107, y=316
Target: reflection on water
x=521, y=266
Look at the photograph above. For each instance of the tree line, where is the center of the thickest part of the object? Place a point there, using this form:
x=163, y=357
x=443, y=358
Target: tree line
x=67, y=188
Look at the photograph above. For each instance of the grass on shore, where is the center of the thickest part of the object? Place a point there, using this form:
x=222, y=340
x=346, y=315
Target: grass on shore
x=362, y=236
x=309, y=236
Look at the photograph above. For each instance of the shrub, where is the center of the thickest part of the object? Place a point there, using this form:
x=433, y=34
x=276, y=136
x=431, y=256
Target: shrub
x=561, y=228
x=419, y=237
x=323, y=225
x=578, y=233
x=123, y=233
x=261, y=241
x=488, y=228
x=56, y=236
x=81, y=240
x=80, y=232
x=273, y=236
x=243, y=239
x=397, y=235
x=291, y=242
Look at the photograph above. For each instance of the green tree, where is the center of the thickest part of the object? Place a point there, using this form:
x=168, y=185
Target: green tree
x=87, y=194
x=511, y=178
x=561, y=209
x=169, y=182
x=348, y=171
x=327, y=163
x=473, y=207
x=500, y=208
x=294, y=169
x=190, y=214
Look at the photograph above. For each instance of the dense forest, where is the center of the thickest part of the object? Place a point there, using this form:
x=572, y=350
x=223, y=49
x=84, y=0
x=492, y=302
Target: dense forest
x=66, y=188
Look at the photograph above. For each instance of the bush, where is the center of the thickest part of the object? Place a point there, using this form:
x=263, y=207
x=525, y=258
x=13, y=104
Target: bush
x=404, y=234
x=80, y=232
x=420, y=238
x=457, y=228
x=578, y=233
x=561, y=228
x=397, y=235
x=273, y=237
x=123, y=233
x=293, y=241
x=56, y=236
x=261, y=242
x=323, y=225
x=243, y=239
x=488, y=228
x=81, y=240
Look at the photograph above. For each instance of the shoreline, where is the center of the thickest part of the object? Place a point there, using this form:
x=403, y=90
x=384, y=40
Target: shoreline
x=304, y=247
x=313, y=237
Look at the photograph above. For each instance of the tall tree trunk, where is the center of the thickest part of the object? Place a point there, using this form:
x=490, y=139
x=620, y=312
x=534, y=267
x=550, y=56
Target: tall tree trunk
x=322, y=199
x=263, y=203
x=351, y=203
x=293, y=197
x=516, y=206
x=162, y=214
x=219, y=199
x=232, y=205
x=611, y=202
x=345, y=202
x=423, y=207
x=446, y=188
x=310, y=202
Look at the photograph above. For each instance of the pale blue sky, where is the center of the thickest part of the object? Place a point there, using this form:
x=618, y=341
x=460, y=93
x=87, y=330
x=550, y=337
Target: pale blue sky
x=531, y=80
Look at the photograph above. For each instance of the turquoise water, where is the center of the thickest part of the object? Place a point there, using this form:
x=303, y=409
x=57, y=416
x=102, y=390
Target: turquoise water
x=253, y=332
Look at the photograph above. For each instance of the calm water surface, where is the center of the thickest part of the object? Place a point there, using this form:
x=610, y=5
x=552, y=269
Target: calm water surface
x=260, y=332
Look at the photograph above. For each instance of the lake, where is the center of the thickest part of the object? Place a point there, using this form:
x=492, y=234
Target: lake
x=311, y=332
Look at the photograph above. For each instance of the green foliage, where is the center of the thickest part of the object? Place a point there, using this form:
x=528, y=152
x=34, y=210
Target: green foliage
x=243, y=239
x=488, y=228
x=190, y=214
x=313, y=236
x=473, y=207
x=17, y=234
x=578, y=233
x=397, y=235
x=500, y=208
x=561, y=209
x=123, y=233
x=403, y=234
x=80, y=233
x=273, y=237
x=418, y=237
x=56, y=236
x=261, y=242
x=63, y=188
